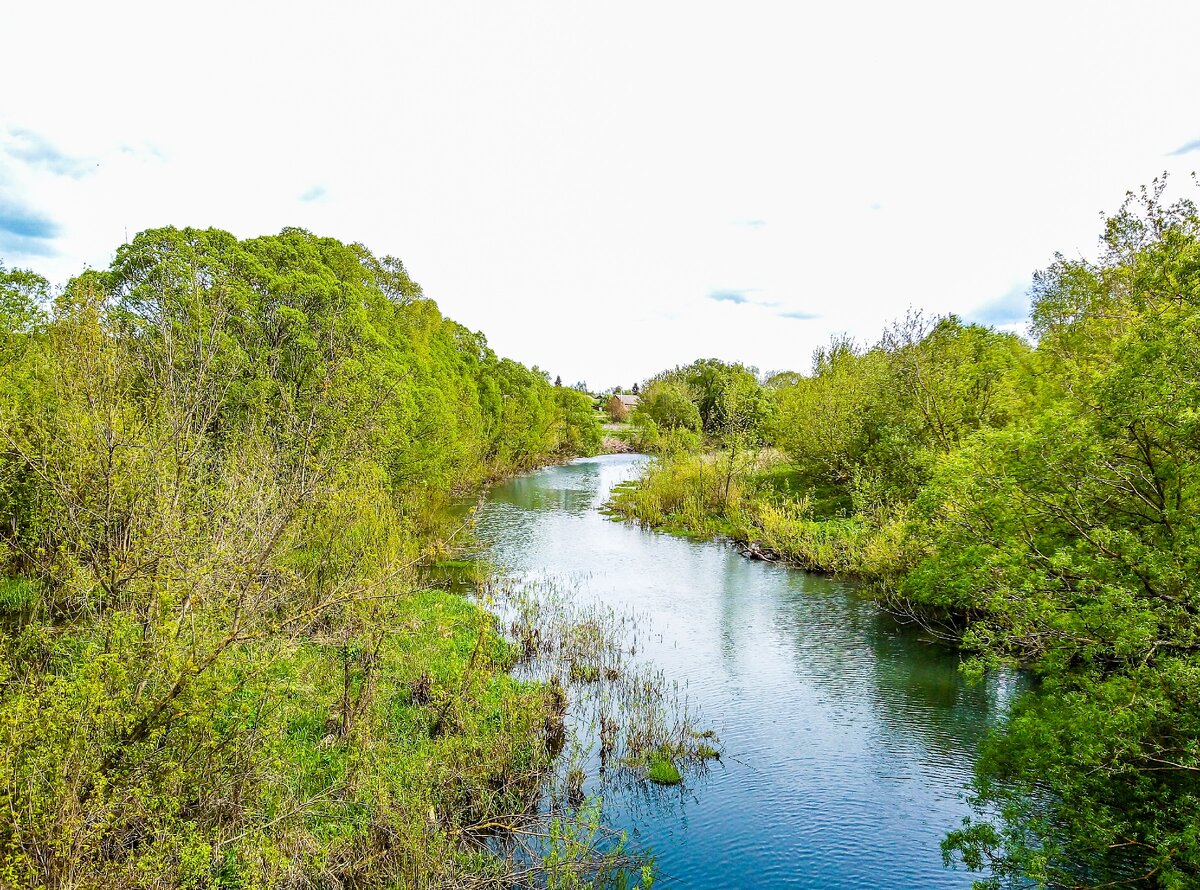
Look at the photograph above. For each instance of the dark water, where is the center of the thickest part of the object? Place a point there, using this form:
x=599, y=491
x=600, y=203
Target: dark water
x=847, y=738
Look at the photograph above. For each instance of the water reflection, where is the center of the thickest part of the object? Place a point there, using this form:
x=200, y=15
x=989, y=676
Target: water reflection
x=575, y=490
x=848, y=738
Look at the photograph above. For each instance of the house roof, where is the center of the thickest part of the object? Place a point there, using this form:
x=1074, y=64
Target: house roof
x=629, y=401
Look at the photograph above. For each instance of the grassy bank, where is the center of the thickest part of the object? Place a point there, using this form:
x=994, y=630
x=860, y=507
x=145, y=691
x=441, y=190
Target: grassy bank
x=221, y=464
x=758, y=503
x=1032, y=501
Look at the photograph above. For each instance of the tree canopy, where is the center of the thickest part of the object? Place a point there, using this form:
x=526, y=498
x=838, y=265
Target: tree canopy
x=221, y=463
x=1037, y=505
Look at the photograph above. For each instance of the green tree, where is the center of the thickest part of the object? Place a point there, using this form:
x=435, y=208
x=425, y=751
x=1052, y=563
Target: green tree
x=221, y=461
x=669, y=404
x=1069, y=538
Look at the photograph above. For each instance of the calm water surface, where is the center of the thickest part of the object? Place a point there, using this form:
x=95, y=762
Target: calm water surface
x=847, y=738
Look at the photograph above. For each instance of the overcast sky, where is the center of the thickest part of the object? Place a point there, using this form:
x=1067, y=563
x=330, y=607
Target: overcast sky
x=607, y=189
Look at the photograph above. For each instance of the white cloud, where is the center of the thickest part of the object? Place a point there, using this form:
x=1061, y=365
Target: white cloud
x=577, y=180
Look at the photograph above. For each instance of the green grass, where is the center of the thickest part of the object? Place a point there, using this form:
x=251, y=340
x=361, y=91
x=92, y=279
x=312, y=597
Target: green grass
x=661, y=769
x=16, y=595
x=685, y=496
x=785, y=483
x=467, y=750
x=584, y=673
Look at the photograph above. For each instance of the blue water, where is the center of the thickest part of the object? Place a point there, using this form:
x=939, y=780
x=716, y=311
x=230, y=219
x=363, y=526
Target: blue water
x=847, y=737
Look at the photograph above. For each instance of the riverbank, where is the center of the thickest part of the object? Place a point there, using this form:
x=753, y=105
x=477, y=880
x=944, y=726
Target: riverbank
x=698, y=496
x=218, y=664
x=845, y=737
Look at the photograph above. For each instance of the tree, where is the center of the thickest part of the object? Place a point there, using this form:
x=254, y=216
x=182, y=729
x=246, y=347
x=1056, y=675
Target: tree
x=828, y=422
x=617, y=410
x=1068, y=537
x=669, y=404
x=581, y=432
x=23, y=296
x=706, y=381
x=741, y=415
x=221, y=461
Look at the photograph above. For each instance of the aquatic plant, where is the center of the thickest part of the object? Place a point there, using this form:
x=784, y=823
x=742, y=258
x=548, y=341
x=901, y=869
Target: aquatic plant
x=661, y=769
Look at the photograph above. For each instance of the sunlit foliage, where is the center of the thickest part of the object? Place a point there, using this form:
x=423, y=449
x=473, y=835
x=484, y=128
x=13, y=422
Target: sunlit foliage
x=1038, y=506
x=221, y=462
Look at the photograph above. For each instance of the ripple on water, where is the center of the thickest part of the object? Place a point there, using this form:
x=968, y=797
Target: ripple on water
x=847, y=738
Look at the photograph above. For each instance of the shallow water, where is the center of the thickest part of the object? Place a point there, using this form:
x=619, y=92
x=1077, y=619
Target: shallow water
x=847, y=737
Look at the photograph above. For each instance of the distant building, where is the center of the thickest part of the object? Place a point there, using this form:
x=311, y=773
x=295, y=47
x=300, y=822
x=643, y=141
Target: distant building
x=619, y=405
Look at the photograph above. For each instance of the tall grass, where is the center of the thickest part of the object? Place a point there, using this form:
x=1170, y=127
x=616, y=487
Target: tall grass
x=685, y=493
x=763, y=505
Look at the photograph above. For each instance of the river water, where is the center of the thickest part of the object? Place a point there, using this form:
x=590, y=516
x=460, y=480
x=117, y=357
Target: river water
x=847, y=738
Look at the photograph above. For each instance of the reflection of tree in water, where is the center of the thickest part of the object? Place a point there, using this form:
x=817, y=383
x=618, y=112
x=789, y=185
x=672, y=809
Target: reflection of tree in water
x=757, y=643
x=816, y=619
x=571, y=488
x=858, y=656
x=919, y=684
x=845, y=644
x=500, y=523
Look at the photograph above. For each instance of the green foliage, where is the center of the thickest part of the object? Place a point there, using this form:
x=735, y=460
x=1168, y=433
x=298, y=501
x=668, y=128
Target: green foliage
x=644, y=433
x=616, y=409
x=23, y=295
x=1039, y=505
x=221, y=462
x=669, y=404
x=683, y=492
x=1073, y=544
x=679, y=441
x=1094, y=782
x=881, y=417
x=707, y=383
x=661, y=769
x=581, y=433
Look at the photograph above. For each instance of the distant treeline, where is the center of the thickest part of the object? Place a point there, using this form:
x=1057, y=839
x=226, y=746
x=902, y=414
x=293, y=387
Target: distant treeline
x=221, y=461
x=1038, y=505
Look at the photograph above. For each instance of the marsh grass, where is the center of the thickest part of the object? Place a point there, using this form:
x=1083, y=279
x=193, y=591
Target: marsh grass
x=661, y=769
x=623, y=710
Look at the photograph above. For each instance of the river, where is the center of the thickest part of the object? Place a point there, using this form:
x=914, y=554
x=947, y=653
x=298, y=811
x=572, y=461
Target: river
x=847, y=738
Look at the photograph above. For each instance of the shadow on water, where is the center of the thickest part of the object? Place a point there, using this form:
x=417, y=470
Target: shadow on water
x=575, y=490
x=848, y=738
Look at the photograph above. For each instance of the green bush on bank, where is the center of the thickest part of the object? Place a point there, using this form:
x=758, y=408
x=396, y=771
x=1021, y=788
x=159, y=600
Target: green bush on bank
x=1040, y=503
x=221, y=463
x=687, y=493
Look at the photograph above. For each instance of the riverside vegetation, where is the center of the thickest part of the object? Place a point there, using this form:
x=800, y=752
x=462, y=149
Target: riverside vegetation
x=1035, y=505
x=639, y=723
x=222, y=463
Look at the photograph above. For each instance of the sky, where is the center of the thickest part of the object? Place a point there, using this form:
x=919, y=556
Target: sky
x=607, y=190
